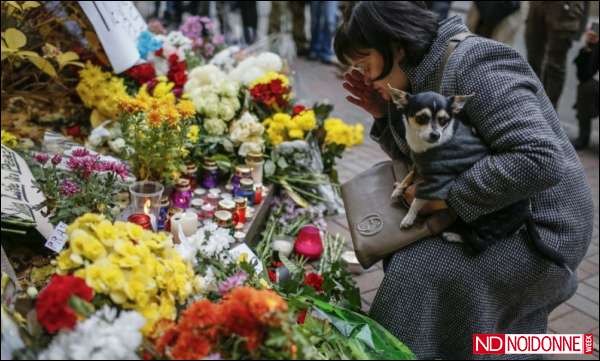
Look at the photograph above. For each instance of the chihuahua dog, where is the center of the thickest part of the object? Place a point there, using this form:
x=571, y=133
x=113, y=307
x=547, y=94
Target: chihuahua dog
x=432, y=134
x=442, y=148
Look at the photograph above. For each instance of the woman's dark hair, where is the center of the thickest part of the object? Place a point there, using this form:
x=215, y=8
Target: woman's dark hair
x=386, y=26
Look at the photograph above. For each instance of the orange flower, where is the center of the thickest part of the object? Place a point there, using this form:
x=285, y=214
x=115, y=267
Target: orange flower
x=132, y=105
x=154, y=118
x=245, y=312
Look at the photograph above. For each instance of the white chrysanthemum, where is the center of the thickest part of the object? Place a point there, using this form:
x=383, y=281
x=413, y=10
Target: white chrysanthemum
x=206, y=75
x=215, y=126
x=103, y=336
x=268, y=61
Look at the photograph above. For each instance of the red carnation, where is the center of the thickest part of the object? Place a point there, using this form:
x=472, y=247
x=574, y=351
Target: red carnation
x=298, y=109
x=53, y=310
x=272, y=276
x=314, y=280
x=173, y=59
x=159, y=52
x=142, y=73
x=178, y=78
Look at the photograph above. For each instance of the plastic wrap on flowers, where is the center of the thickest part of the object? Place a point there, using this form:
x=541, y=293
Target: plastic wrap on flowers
x=374, y=341
x=306, y=156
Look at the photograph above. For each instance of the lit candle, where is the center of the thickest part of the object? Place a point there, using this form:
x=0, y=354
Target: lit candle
x=153, y=222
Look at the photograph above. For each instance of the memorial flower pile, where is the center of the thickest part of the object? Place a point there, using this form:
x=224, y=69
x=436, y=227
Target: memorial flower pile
x=271, y=90
x=283, y=127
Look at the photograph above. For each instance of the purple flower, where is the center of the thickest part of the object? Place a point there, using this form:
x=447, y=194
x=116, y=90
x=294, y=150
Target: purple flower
x=41, y=158
x=56, y=159
x=213, y=356
x=232, y=282
x=69, y=188
x=218, y=39
x=85, y=166
x=209, y=49
x=192, y=27
x=80, y=152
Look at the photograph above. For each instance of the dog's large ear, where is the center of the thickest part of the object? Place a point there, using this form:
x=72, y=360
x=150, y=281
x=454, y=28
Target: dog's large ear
x=457, y=102
x=399, y=97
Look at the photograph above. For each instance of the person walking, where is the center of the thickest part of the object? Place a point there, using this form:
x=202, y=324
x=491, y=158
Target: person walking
x=551, y=27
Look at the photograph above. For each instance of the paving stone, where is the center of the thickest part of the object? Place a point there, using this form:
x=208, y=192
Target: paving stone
x=588, y=292
x=573, y=322
x=369, y=281
x=583, y=304
x=560, y=311
x=592, y=281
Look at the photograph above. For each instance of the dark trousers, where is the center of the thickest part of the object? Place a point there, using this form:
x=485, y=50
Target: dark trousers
x=587, y=108
x=249, y=20
x=551, y=27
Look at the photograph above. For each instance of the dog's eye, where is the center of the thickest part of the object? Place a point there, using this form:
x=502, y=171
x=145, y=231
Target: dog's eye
x=443, y=120
x=422, y=119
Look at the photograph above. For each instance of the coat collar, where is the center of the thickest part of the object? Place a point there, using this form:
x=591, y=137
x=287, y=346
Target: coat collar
x=427, y=73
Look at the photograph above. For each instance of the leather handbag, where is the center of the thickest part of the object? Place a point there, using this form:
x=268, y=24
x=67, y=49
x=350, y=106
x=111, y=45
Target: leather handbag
x=374, y=219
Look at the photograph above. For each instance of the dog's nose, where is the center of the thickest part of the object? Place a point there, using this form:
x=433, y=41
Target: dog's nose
x=434, y=136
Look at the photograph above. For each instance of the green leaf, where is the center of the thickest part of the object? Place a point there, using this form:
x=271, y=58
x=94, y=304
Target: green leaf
x=43, y=64
x=269, y=168
x=282, y=163
x=294, y=270
x=15, y=39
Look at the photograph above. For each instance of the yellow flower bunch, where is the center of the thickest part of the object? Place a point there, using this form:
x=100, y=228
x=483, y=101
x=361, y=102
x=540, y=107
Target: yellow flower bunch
x=160, y=106
x=282, y=127
x=136, y=268
x=9, y=139
x=269, y=77
x=341, y=133
x=99, y=90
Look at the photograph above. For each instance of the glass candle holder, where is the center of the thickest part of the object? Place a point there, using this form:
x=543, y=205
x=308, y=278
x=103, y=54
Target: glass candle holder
x=210, y=177
x=145, y=200
x=309, y=243
x=182, y=195
x=255, y=162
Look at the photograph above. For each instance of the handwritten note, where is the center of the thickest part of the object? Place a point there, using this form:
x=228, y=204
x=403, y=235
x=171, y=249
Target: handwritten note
x=19, y=196
x=118, y=25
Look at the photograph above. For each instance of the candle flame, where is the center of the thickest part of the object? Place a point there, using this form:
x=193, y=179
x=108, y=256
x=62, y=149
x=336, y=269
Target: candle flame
x=147, y=206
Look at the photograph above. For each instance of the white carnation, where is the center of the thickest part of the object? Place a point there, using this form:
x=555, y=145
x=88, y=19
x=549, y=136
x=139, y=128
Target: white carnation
x=103, y=336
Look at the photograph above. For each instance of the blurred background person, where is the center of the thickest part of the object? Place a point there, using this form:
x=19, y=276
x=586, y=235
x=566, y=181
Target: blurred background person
x=497, y=20
x=296, y=9
x=249, y=20
x=587, y=90
x=550, y=30
x=323, y=23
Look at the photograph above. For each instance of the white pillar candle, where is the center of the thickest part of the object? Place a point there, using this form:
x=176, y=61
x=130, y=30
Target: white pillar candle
x=188, y=221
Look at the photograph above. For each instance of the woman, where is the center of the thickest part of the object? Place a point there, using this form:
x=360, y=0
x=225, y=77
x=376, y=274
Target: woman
x=436, y=294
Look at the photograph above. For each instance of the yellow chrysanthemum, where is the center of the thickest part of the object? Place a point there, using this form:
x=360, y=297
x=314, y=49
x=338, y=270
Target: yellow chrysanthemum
x=9, y=139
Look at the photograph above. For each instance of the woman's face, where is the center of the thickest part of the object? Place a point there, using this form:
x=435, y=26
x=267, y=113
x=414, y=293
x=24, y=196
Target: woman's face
x=371, y=66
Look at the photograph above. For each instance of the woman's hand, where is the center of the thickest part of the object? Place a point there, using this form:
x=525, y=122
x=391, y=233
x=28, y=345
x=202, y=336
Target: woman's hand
x=363, y=94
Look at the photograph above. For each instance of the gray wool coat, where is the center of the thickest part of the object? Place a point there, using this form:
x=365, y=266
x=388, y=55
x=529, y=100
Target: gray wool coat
x=436, y=294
